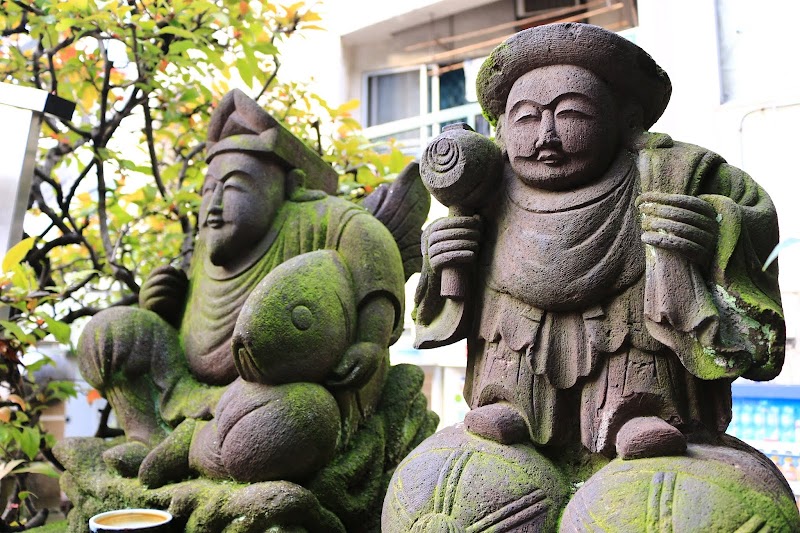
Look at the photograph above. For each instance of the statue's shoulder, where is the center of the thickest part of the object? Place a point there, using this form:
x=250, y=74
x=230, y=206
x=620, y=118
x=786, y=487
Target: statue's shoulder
x=307, y=200
x=326, y=213
x=667, y=165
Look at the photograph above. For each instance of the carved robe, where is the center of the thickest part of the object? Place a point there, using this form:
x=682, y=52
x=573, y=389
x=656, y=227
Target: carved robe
x=573, y=316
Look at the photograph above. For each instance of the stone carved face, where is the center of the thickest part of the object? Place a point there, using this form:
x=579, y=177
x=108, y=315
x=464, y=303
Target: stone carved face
x=561, y=127
x=241, y=196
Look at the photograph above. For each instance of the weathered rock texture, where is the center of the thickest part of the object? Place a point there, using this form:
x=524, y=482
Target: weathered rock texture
x=610, y=288
x=256, y=391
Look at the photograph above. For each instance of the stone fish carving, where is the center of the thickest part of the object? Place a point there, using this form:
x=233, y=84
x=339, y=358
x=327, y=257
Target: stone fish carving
x=610, y=290
x=256, y=392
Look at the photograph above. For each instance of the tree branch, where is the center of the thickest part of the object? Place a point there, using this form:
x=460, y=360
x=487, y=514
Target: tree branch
x=271, y=77
x=151, y=148
x=72, y=316
x=29, y=8
x=19, y=28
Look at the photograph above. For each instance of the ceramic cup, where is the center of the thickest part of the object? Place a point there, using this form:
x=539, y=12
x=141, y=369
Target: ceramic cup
x=133, y=520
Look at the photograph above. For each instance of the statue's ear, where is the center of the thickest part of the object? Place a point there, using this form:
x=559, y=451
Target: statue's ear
x=295, y=180
x=296, y=187
x=499, y=134
x=631, y=123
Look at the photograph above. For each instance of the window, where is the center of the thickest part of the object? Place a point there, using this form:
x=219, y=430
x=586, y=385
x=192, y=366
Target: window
x=412, y=105
x=393, y=96
x=526, y=8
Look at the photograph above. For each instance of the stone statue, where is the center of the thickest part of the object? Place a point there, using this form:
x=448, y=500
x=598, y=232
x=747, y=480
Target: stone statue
x=263, y=377
x=609, y=283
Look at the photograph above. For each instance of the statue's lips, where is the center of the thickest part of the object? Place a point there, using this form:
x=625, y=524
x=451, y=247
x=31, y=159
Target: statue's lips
x=549, y=157
x=244, y=360
x=215, y=222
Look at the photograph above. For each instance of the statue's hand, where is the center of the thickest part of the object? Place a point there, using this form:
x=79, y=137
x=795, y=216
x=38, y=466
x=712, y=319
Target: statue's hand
x=680, y=223
x=164, y=293
x=453, y=241
x=357, y=366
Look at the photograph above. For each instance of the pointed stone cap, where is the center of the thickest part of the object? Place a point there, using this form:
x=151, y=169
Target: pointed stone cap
x=239, y=124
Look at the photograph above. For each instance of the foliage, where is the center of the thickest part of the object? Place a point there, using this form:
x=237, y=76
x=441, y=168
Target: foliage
x=22, y=400
x=115, y=189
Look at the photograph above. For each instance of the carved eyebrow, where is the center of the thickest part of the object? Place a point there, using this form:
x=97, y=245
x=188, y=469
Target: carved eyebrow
x=552, y=102
x=234, y=172
x=519, y=104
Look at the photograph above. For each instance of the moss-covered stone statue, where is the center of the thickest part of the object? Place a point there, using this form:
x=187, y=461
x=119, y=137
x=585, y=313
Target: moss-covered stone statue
x=609, y=283
x=257, y=393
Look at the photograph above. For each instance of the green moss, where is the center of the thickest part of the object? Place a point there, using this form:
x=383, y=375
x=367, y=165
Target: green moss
x=626, y=497
x=52, y=527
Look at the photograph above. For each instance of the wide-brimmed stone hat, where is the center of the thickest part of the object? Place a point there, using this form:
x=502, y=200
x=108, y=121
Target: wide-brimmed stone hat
x=620, y=63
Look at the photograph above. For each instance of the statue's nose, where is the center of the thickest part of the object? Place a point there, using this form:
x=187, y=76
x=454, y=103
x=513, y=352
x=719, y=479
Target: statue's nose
x=215, y=206
x=547, y=131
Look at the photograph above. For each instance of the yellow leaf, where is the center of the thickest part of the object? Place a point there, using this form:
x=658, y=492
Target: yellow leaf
x=310, y=16
x=16, y=254
x=5, y=414
x=88, y=97
x=15, y=398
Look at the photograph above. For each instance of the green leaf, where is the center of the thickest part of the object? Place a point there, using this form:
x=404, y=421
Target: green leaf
x=65, y=24
x=38, y=365
x=179, y=47
x=6, y=468
x=39, y=467
x=61, y=390
x=17, y=253
x=266, y=48
x=180, y=32
x=29, y=442
x=243, y=66
x=60, y=330
x=365, y=176
x=17, y=332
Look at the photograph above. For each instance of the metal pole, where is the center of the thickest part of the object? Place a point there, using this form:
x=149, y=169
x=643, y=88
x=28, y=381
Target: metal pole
x=21, y=110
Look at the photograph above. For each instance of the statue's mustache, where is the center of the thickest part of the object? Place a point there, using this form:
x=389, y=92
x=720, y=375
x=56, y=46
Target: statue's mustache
x=544, y=148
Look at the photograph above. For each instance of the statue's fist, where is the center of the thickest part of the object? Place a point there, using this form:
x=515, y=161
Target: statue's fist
x=164, y=293
x=453, y=241
x=357, y=366
x=680, y=223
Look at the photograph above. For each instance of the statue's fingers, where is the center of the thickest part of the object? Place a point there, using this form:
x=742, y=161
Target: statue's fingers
x=452, y=252
x=166, y=276
x=701, y=237
x=680, y=216
x=685, y=247
x=683, y=201
x=454, y=258
x=356, y=367
x=454, y=234
x=706, y=221
x=473, y=222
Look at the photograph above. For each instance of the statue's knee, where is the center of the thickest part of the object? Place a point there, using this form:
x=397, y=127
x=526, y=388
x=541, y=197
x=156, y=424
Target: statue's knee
x=283, y=432
x=122, y=341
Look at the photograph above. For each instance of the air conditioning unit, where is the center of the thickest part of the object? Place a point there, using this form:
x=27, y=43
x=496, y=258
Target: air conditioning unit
x=527, y=8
